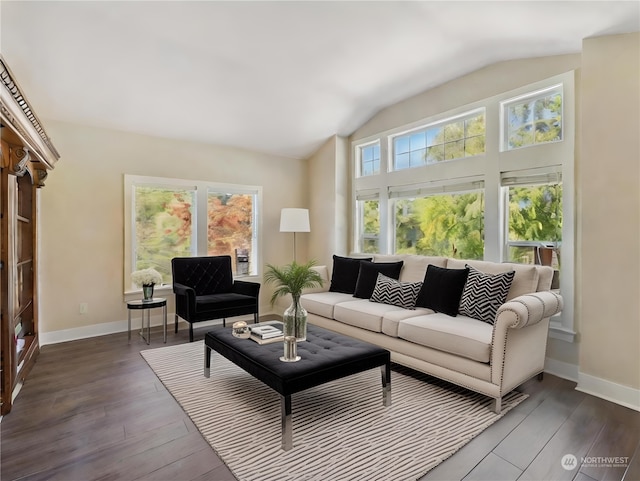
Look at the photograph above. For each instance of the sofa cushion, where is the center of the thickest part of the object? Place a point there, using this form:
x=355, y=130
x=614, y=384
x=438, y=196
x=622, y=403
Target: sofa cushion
x=368, y=276
x=391, y=320
x=442, y=289
x=524, y=282
x=322, y=303
x=414, y=266
x=484, y=293
x=345, y=274
x=395, y=293
x=362, y=313
x=460, y=335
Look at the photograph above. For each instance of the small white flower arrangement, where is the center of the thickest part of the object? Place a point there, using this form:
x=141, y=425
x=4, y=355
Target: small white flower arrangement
x=146, y=277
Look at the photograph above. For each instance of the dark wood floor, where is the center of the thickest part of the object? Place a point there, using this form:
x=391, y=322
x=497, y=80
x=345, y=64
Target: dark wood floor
x=93, y=410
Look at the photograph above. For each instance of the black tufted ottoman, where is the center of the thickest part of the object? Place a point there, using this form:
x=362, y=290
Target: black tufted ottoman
x=326, y=356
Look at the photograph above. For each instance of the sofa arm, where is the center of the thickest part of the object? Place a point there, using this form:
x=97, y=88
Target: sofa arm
x=247, y=288
x=528, y=309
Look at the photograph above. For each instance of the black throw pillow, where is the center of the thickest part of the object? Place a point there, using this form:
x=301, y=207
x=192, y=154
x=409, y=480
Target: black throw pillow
x=442, y=289
x=345, y=274
x=368, y=276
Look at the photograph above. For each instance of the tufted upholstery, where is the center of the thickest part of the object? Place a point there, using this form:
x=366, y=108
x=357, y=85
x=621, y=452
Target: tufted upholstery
x=326, y=356
x=205, y=290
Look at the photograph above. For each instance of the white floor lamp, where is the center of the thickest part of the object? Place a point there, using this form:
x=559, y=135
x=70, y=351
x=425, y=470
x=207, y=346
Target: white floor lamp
x=294, y=220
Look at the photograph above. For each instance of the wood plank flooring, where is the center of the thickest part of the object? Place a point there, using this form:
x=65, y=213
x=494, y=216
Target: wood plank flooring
x=94, y=410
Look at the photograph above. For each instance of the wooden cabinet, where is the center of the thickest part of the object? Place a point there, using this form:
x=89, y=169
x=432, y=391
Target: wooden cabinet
x=26, y=157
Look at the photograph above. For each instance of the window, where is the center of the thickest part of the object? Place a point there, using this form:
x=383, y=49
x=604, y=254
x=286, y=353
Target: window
x=168, y=218
x=534, y=119
x=370, y=159
x=162, y=226
x=499, y=201
x=230, y=223
x=449, y=225
x=369, y=226
x=535, y=219
x=453, y=139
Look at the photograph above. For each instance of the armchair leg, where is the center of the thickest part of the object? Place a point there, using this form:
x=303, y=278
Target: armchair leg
x=541, y=376
x=176, y=324
x=224, y=322
x=190, y=332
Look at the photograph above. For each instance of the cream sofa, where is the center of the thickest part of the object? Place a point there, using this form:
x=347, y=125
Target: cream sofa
x=489, y=359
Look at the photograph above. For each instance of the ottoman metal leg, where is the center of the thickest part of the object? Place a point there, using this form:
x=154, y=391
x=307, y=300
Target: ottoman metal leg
x=386, y=384
x=287, y=427
x=207, y=361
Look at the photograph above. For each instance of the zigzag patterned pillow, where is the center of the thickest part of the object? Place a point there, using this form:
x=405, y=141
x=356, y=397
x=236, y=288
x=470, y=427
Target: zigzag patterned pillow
x=395, y=293
x=484, y=293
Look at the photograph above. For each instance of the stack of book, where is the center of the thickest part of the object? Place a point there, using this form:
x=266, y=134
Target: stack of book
x=265, y=334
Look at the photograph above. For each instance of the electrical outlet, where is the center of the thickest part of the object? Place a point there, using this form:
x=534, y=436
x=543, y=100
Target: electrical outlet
x=84, y=308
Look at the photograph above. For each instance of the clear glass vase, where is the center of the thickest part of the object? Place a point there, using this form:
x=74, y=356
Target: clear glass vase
x=295, y=320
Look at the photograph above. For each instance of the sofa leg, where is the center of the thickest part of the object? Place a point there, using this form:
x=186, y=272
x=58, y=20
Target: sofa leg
x=497, y=405
x=176, y=324
x=224, y=322
x=190, y=332
x=541, y=376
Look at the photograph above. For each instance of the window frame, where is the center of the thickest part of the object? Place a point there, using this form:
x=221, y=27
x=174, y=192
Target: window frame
x=531, y=97
x=199, y=222
x=424, y=129
x=553, y=156
x=360, y=160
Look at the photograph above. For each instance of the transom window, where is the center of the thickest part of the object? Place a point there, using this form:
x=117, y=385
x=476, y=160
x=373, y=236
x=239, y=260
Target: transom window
x=370, y=159
x=449, y=140
x=534, y=119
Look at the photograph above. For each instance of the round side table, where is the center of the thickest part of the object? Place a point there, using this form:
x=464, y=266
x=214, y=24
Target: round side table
x=139, y=304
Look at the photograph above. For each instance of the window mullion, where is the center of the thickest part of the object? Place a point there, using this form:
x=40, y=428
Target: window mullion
x=200, y=223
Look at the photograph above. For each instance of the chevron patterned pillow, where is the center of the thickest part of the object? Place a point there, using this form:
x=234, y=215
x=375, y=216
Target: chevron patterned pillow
x=484, y=293
x=395, y=293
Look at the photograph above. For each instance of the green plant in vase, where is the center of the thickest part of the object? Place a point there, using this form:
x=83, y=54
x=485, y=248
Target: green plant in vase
x=293, y=279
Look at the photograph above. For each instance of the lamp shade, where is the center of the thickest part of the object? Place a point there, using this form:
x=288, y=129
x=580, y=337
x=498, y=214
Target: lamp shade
x=294, y=220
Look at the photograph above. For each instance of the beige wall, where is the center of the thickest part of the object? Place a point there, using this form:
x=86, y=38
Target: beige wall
x=82, y=209
x=609, y=209
x=328, y=201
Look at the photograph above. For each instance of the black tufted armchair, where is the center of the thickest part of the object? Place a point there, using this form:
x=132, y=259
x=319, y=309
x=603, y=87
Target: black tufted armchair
x=205, y=290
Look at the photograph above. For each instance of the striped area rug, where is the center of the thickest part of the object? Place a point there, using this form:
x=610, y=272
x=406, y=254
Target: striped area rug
x=341, y=430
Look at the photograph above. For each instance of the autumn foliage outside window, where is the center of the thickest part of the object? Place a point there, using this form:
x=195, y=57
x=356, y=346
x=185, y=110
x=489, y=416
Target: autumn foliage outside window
x=166, y=226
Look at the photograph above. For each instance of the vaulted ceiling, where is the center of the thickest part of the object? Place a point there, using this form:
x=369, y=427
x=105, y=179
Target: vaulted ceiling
x=276, y=77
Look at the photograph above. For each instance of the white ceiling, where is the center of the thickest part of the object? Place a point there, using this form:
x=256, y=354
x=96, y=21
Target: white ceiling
x=276, y=77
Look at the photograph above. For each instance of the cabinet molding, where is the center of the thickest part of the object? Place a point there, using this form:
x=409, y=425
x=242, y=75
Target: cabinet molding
x=16, y=112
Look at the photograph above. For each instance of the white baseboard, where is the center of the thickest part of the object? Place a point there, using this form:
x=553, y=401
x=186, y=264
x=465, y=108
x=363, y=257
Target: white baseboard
x=84, y=332
x=105, y=328
x=561, y=369
x=610, y=391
